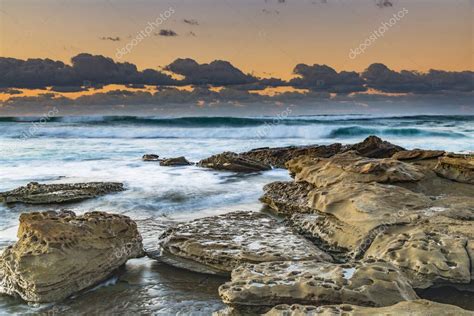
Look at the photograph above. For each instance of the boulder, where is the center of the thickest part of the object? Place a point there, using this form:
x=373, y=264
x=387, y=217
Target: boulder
x=412, y=308
x=229, y=161
x=262, y=286
x=58, y=253
x=35, y=193
x=218, y=244
x=150, y=157
x=433, y=250
x=374, y=147
x=349, y=166
x=277, y=157
x=178, y=161
x=456, y=167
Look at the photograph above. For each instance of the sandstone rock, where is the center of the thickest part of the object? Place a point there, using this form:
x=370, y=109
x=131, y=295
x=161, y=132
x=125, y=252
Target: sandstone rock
x=287, y=197
x=229, y=161
x=435, y=249
x=268, y=284
x=277, y=157
x=412, y=308
x=374, y=147
x=418, y=154
x=456, y=167
x=58, y=253
x=218, y=244
x=351, y=167
x=35, y=193
x=178, y=161
x=150, y=157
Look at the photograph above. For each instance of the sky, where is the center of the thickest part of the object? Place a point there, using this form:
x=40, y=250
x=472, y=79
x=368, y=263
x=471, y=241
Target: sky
x=265, y=37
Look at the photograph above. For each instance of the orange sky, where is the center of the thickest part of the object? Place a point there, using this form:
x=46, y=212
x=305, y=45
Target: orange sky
x=258, y=36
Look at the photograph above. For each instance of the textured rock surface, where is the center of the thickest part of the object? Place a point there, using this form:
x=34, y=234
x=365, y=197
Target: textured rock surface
x=418, y=154
x=456, y=167
x=412, y=308
x=218, y=244
x=59, y=254
x=287, y=197
x=229, y=161
x=349, y=166
x=277, y=157
x=374, y=147
x=178, y=161
x=432, y=250
x=35, y=193
x=150, y=157
x=308, y=282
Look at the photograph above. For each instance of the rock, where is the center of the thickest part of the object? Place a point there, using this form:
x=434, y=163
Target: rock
x=287, y=198
x=150, y=157
x=58, y=253
x=418, y=154
x=434, y=250
x=35, y=193
x=262, y=286
x=218, y=244
x=349, y=166
x=456, y=167
x=178, y=161
x=229, y=161
x=374, y=147
x=277, y=157
x=412, y=308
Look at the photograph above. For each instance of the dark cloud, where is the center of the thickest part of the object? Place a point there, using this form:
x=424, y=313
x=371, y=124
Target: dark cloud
x=65, y=89
x=10, y=91
x=218, y=72
x=324, y=78
x=191, y=21
x=380, y=77
x=108, y=38
x=168, y=33
x=86, y=70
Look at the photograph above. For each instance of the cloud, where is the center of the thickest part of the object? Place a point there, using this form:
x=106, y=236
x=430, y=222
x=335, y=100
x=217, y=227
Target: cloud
x=325, y=78
x=86, y=69
x=383, y=3
x=218, y=72
x=108, y=38
x=168, y=33
x=380, y=77
x=191, y=21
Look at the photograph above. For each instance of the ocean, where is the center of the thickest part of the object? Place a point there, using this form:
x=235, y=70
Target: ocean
x=84, y=149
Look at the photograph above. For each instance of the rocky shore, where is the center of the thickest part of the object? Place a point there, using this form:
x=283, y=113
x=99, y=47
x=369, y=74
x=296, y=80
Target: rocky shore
x=362, y=229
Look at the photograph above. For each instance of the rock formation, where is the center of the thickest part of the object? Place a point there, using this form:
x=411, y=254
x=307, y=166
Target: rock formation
x=58, y=253
x=229, y=161
x=374, y=147
x=456, y=167
x=150, y=157
x=35, y=193
x=178, y=161
x=219, y=244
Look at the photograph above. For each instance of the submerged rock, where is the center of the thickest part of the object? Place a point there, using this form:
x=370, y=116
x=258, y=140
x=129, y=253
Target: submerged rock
x=150, y=157
x=218, y=244
x=58, y=253
x=262, y=286
x=375, y=147
x=229, y=161
x=178, y=161
x=349, y=166
x=412, y=308
x=277, y=157
x=456, y=167
x=35, y=193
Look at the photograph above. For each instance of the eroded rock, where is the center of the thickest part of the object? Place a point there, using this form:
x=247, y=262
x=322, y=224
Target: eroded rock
x=268, y=284
x=178, y=161
x=412, y=308
x=229, y=161
x=58, y=253
x=150, y=157
x=349, y=166
x=35, y=193
x=456, y=167
x=418, y=154
x=287, y=197
x=218, y=244
x=375, y=147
